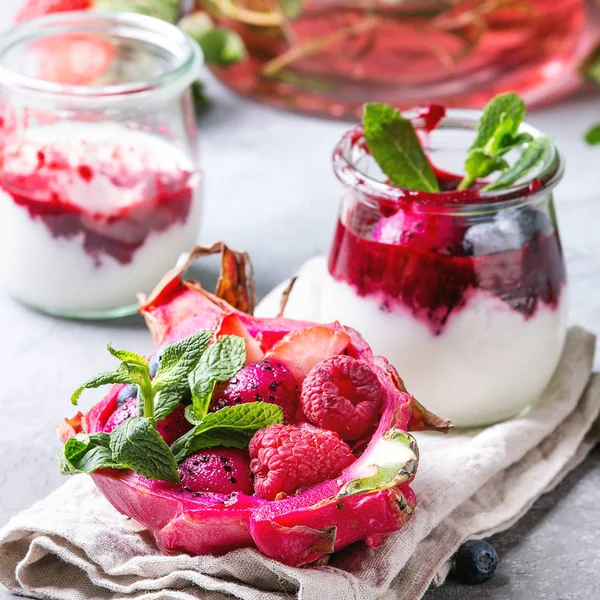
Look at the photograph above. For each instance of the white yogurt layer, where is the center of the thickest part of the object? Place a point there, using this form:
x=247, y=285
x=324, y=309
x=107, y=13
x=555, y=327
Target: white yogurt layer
x=56, y=274
x=488, y=364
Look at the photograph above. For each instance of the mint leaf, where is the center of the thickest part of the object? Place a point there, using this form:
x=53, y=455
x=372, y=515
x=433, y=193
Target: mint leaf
x=592, y=136
x=497, y=134
x=232, y=426
x=86, y=453
x=134, y=369
x=180, y=359
x=480, y=164
x=121, y=375
x=131, y=358
x=167, y=400
x=531, y=156
x=219, y=363
x=394, y=144
x=508, y=108
x=138, y=446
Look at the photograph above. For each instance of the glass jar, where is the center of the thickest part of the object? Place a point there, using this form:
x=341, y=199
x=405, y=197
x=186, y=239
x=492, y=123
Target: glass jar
x=99, y=181
x=331, y=56
x=464, y=292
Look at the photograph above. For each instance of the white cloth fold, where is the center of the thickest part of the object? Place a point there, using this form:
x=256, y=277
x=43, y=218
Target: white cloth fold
x=73, y=545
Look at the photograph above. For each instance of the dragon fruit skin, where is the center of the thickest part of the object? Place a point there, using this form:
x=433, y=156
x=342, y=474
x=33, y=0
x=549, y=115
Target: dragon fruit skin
x=296, y=530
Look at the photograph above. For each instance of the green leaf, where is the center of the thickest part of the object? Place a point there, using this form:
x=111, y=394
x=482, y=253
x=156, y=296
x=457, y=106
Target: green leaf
x=219, y=363
x=86, y=453
x=180, y=359
x=167, y=400
x=232, y=426
x=592, y=136
x=392, y=461
x=126, y=356
x=221, y=46
x=531, y=157
x=497, y=134
x=508, y=108
x=480, y=164
x=137, y=445
x=395, y=146
x=118, y=376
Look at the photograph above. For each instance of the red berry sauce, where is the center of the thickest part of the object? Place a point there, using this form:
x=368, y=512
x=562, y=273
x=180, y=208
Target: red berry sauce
x=65, y=192
x=435, y=282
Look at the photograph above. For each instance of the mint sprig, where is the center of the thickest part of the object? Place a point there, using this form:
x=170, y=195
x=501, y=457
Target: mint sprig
x=394, y=144
x=136, y=444
x=219, y=363
x=497, y=134
x=530, y=157
x=178, y=361
x=161, y=395
x=232, y=427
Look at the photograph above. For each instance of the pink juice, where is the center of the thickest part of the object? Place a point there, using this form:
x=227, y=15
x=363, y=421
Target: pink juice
x=333, y=56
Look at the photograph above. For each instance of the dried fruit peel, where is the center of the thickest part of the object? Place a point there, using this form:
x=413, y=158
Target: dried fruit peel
x=370, y=499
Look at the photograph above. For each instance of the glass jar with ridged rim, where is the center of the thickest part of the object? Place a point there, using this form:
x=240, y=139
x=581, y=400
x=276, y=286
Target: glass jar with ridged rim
x=99, y=175
x=463, y=291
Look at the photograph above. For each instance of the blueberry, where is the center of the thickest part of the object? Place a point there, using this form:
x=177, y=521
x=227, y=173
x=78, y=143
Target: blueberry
x=499, y=235
x=155, y=360
x=530, y=220
x=475, y=562
x=125, y=394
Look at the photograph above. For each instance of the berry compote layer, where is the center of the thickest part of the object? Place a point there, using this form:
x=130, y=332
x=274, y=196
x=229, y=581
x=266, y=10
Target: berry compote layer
x=92, y=214
x=470, y=309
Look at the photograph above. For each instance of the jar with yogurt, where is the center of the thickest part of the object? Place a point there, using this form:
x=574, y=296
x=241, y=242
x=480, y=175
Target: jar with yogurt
x=99, y=178
x=464, y=292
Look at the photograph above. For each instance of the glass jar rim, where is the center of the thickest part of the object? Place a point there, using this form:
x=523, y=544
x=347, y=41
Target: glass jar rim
x=463, y=201
x=188, y=55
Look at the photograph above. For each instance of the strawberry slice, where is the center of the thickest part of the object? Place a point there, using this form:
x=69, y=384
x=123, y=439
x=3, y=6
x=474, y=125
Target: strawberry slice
x=232, y=325
x=301, y=350
x=74, y=59
x=31, y=9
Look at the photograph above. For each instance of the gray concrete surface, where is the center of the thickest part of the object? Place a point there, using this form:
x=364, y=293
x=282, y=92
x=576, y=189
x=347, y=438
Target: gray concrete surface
x=270, y=190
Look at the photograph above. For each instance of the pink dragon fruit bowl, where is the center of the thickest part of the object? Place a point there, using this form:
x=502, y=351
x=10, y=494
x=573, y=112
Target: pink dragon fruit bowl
x=295, y=471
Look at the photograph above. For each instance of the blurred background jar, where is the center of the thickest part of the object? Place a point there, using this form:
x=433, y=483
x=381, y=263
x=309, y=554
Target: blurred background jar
x=330, y=56
x=99, y=177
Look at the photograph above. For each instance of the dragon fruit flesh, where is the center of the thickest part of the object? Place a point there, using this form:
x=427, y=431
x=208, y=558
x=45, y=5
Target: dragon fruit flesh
x=369, y=499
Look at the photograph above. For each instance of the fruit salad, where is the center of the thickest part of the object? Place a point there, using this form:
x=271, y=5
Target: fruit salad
x=458, y=279
x=280, y=435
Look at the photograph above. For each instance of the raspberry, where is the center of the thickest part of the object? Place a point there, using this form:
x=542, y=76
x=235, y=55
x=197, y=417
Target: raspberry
x=342, y=394
x=285, y=458
x=263, y=381
x=218, y=470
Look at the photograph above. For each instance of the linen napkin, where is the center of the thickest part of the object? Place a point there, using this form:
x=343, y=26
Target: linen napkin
x=73, y=545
